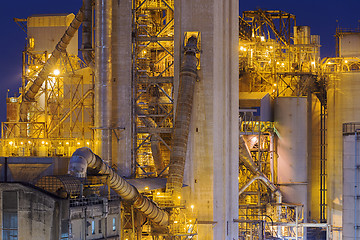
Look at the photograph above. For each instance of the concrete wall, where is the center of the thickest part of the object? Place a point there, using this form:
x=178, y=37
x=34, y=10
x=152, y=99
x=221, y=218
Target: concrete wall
x=38, y=213
x=351, y=206
x=343, y=106
x=211, y=171
x=82, y=219
x=122, y=77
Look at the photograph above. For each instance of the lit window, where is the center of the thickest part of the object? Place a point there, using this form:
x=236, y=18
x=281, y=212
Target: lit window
x=114, y=224
x=92, y=227
x=10, y=215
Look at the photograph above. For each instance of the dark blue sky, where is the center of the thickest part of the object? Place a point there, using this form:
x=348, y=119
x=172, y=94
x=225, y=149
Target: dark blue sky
x=320, y=15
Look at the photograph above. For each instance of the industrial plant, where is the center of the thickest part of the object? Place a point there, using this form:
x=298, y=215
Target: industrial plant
x=174, y=120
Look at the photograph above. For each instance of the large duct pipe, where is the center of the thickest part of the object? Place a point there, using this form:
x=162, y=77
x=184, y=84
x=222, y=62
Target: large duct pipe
x=154, y=141
x=267, y=183
x=247, y=160
x=245, y=156
x=83, y=159
x=188, y=77
x=103, y=75
x=87, y=47
x=60, y=47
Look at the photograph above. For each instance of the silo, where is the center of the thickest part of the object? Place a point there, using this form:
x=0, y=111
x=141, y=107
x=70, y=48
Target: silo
x=343, y=106
x=291, y=123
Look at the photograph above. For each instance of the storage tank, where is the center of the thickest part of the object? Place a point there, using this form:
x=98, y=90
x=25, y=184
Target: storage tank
x=291, y=123
x=343, y=106
x=302, y=35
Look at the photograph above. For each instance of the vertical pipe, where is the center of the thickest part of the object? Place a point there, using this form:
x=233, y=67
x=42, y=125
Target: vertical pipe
x=86, y=45
x=103, y=75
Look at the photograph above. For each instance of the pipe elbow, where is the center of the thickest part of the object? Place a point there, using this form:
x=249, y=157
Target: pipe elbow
x=79, y=162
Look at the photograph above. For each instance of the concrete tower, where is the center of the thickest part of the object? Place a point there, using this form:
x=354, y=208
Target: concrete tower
x=211, y=171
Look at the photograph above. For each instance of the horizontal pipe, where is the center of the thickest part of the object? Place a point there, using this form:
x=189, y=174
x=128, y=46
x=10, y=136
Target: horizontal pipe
x=84, y=159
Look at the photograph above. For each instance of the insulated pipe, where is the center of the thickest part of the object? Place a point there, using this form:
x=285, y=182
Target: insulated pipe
x=60, y=47
x=103, y=76
x=246, y=158
x=86, y=46
x=267, y=183
x=188, y=75
x=83, y=159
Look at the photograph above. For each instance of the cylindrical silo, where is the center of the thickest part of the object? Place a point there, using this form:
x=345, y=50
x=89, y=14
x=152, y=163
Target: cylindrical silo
x=291, y=123
x=343, y=106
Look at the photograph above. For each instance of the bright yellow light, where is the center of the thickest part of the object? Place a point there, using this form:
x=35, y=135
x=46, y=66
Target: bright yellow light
x=78, y=143
x=29, y=142
x=175, y=221
x=42, y=142
x=179, y=197
x=21, y=143
x=87, y=143
x=146, y=188
x=346, y=61
x=262, y=38
x=271, y=47
x=189, y=220
x=56, y=72
x=192, y=206
x=158, y=193
x=46, y=143
x=274, y=84
x=60, y=143
x=67, y=143
x=11, y=142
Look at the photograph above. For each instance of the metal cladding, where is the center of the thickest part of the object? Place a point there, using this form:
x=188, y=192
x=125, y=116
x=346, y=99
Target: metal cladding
x=103, y=76
x=60, y=47
x=84, y=158
x=88, y=53
x=188, y=77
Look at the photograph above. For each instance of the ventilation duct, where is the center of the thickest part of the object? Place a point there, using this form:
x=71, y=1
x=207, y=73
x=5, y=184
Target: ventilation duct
x=188, y=76
x=83, y=159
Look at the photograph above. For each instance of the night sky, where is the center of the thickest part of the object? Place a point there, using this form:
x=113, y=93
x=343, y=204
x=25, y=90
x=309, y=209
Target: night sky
x=323, y=16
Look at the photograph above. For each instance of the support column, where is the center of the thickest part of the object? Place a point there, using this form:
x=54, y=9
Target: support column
x=211, y=170
x=121, y=47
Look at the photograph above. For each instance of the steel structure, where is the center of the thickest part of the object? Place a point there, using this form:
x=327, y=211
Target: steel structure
x=282, y=59
x=60, y=117
x=153, y=93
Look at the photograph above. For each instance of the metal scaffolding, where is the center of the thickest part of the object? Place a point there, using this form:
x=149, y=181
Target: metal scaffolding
x=153, y=76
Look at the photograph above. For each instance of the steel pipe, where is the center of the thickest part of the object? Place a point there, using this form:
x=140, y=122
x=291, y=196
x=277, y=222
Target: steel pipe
x=55, y=55
x=188, y=76
x=84, y=159
x=86, y=46
x=103, y=77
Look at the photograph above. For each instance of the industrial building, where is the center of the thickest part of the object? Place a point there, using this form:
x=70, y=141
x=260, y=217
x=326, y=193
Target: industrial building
x=180, y=120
